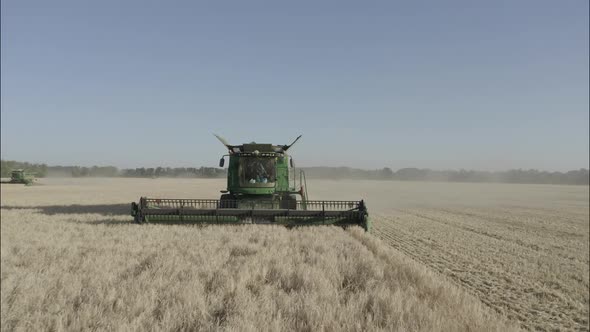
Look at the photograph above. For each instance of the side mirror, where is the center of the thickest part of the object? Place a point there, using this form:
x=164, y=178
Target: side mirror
x=291, y=162
x=221, y=162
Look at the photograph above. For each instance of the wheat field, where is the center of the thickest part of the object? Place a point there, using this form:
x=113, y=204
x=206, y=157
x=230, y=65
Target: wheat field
x=441, y=257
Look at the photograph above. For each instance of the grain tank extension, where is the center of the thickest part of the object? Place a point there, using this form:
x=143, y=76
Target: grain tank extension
x=263, y=187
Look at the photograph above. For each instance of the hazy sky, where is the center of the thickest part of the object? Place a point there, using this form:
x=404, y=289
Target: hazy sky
x=440, y=84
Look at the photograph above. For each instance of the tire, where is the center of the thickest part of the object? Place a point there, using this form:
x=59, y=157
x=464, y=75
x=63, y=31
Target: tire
x=289, y=202
x=227, y=201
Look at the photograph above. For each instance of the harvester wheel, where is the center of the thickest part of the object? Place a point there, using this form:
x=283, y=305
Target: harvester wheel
x=289, y=202
x=227, y=201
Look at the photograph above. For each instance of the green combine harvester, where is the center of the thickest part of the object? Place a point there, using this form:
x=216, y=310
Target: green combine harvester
x=262, y=188
x=20, y=176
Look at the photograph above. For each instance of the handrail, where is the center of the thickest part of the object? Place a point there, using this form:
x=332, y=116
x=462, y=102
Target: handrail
x=303, y=184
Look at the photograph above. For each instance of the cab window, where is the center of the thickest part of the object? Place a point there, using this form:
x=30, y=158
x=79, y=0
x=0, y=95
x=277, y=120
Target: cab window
x=258, y=170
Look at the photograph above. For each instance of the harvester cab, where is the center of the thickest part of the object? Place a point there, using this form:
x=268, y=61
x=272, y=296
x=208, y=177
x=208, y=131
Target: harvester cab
x=261, y=173
x=262, y=188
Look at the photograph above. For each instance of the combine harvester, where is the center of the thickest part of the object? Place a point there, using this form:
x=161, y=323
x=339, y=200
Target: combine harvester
x=20, y=176
x=262, y=188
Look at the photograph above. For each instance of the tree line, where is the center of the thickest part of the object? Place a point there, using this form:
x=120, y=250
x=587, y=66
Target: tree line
x=42, y=170
x=177, y=172
x=533, y=176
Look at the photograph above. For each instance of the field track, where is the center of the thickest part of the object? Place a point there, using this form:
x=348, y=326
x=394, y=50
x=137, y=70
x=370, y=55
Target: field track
x=514, y=260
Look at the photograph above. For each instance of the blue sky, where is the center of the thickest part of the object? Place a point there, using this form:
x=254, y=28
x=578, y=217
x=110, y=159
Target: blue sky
x=485, y=85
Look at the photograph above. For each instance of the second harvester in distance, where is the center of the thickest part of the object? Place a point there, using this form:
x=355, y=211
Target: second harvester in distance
x=262, y=188
x=20, y=176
